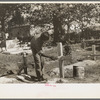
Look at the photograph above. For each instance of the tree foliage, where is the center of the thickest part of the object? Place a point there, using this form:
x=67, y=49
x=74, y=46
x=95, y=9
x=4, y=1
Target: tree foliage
x=57, y=14
x=6, y=11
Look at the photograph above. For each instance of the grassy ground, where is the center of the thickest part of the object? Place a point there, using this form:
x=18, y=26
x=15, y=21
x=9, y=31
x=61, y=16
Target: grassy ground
x=92, y=73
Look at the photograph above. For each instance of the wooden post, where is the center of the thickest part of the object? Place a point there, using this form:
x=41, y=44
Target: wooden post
x=61, y=62
x=83, y=44
x=94, y=51
x=60, y=49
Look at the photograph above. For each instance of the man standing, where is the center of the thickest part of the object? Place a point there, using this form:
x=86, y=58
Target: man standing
x=36, y=46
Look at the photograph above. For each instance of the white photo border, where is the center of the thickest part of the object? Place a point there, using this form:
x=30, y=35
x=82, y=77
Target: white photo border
x=41, y=91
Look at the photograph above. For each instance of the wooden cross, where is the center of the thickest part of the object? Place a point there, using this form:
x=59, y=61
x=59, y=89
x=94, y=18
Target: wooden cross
x=94, y=51
x=61, y=62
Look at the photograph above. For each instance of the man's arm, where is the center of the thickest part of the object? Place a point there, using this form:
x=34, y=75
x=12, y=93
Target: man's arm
x=48, y=56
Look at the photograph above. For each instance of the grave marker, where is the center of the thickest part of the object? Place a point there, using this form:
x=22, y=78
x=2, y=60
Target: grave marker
x=61, y=62
x=94, y=51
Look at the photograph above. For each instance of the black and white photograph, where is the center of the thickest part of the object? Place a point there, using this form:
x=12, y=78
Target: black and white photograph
x=49, y=43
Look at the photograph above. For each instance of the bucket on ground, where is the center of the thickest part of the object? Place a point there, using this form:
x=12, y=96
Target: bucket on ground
x=78, y=72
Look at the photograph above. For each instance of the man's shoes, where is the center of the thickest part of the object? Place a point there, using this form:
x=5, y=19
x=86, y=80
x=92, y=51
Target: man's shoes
x=42, y=79
x=9, y=72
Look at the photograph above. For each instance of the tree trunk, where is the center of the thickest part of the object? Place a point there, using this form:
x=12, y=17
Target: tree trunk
x=58, y=31
x=2, y=24
x=68, y=32
x=55, y=22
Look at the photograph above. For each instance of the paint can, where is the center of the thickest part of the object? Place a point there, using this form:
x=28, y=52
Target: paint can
x=78, y=72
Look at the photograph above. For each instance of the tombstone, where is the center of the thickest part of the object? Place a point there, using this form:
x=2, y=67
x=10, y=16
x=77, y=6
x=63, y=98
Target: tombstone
x=11, y=44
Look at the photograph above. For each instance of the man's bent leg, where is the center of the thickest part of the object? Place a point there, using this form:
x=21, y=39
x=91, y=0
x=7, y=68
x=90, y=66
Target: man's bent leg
x=38, y=66
x=42, y=69
x=42, y=65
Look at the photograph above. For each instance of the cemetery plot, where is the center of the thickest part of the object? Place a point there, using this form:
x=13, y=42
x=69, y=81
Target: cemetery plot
x=90, y=73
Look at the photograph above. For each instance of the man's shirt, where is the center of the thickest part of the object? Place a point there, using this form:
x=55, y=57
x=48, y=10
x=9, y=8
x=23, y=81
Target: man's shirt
x=36, y=44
